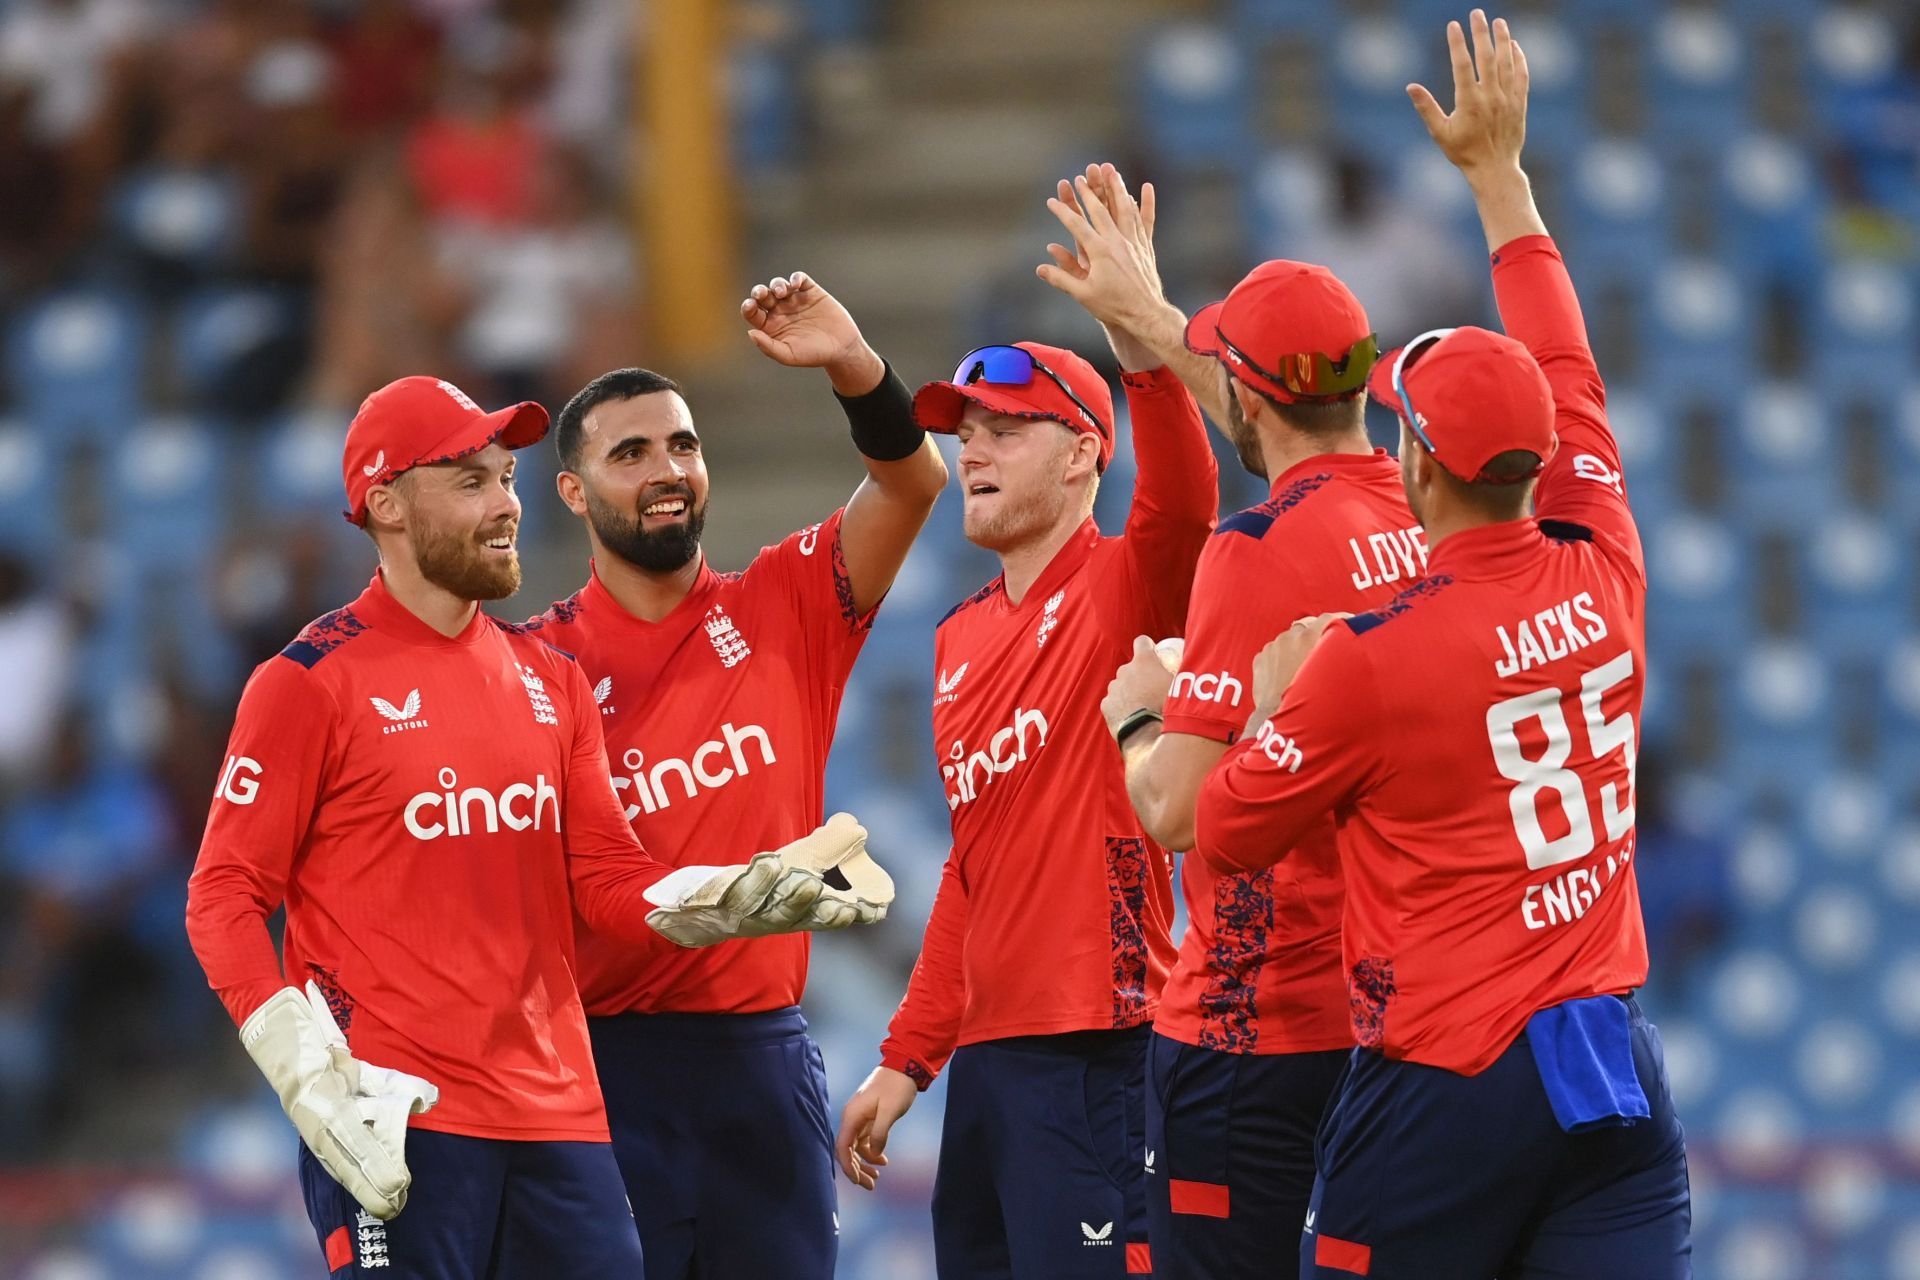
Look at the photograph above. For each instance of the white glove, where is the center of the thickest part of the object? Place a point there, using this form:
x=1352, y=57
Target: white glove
x=352, y=1115
x=785, y=891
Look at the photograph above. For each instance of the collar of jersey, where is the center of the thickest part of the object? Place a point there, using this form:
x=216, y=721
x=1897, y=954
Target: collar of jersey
x=1072, y=554
x=602, y=601
x=1489, y=551
x=1328, y=462
x=378, y=609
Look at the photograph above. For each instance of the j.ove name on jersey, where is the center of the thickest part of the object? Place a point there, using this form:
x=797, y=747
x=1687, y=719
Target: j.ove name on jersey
x=1549, y=635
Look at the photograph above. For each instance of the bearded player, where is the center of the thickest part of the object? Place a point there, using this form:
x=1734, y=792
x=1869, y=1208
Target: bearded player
x=1507, y=1112
x=1048, y=942
x=424, y=789
x=1252, y=1030
x=718, y=694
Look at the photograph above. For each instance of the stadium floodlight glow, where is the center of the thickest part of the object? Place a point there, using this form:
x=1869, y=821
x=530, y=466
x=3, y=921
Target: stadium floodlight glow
x=1410, y=415
x=1010, y=366
x=1315, y=374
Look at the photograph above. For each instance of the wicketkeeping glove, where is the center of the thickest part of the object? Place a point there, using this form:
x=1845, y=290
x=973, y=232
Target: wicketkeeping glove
x=351, y=1114
x=824, y=880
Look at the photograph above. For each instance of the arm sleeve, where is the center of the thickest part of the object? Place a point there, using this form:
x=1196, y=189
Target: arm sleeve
x=609, y=871
x=1175, y=495
x=923, y=1032
x=270, y=783
x=811, y=566
x=1310, y=759
x=1213, y=694
x=1582, y=483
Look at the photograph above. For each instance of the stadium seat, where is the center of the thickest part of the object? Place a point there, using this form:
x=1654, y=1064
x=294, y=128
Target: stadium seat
x=1780, y=727
x=76, y=361
x=162, y=474
x=1278, y=17
x=1858, y=584
x=1701, y=329
x=761, y=93
x=1617, y=226
x=177, y=223
x=1698, y=90
x=1369, y=68
x=232, y=347
x=1769, y=209
x=1193, y=97
x=1864, y=331
x=1783, y=470
x=32, y=509
x=1700, y=585
x=298, y=464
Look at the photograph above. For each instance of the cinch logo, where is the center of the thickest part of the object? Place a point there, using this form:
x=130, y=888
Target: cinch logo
x=1209, y=686
x=239, y=780
x=1279, y=748
x=649, y=782
x=452, y=812
x=969, y=772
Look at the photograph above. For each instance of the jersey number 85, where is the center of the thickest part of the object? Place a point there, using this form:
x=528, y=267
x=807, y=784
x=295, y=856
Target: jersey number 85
x=1548, y=770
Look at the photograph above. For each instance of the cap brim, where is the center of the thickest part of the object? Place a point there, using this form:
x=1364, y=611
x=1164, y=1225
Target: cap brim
x=1380, y=381
x=514, y=427
x=939, y=406
x=1203, y=331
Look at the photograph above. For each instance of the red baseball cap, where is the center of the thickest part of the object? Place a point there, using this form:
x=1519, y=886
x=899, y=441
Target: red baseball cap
x=1470, y=395
x=1062, y=387
x=1291, y=330
x=418, y=421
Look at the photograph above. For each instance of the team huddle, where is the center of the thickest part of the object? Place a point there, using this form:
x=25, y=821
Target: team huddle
x=549, y=886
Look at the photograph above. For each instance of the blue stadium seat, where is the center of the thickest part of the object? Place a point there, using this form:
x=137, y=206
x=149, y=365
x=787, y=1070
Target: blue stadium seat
x=1700, y=586
x=1858, y=584
x=185, y=219
x=32, y=506
x=218, y=329
x=1864, y=331
x=1782, y=465
x=1650, y=452
x=1700, y=330
x=1279, y=17
x=1193, y=97
x=76, y=361
x=1559, y=116
x=1779, y=710
x=1769, y=209
x=761, y=94
x=1617, y=223
x=1367, y=73
x=162, y=475
x=1698, y=89
x=298, y=464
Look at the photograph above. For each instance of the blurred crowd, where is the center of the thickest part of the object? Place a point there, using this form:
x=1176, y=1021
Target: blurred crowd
x=306, y=199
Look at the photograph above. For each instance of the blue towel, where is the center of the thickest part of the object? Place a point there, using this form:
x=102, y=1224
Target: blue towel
x=1584, y=1049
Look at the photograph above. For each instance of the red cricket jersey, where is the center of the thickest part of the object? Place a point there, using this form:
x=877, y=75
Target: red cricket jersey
x=1260, y=968
x=1476, y=739
x=718, y=719
x=431, y=810
x=1053, y=908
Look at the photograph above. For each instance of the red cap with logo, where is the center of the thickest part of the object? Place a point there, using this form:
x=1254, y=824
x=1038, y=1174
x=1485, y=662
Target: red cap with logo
x=419, y=421
x=1470, y=395
x=1291, y=330
x=1061, y=386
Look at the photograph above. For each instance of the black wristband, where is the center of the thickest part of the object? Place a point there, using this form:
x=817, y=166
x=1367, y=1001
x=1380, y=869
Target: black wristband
x=882, y=420
x=1135, y=722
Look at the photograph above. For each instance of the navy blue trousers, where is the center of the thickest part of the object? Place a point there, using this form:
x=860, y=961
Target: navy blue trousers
x=1430, y=1175
x=1230, y=1140
x=1041, y=1153
x=721, y=1127
x=483, y=1209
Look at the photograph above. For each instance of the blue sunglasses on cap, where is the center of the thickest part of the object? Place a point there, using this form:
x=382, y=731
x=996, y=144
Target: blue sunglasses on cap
x=1014, y=367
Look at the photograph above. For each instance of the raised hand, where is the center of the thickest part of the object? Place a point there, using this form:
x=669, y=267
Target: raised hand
x=796, y=322
x=1111, y=269
x=1488, y=125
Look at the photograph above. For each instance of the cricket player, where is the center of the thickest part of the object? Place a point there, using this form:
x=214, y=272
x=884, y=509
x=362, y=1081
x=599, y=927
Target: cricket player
x=1048, y=943
x=1252, y=1030
x=718, y=694
x=424, y=788
x=1507, y=1111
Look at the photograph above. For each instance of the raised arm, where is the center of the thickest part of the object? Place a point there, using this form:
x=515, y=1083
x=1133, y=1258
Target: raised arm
x=1483, y=137
x=1112, y=272
x=795, y=322
x=1175, y=496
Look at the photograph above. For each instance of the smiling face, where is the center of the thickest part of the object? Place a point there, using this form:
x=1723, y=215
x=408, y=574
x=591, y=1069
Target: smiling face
x=1020, y=478
x=460, y=519
x=642, y=483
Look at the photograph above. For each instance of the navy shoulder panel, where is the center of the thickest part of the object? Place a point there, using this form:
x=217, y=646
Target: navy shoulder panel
x=1425, y=589
x=1255, y=521
x=531, y=629
x=1566, y=531
x=984, y=593
x=322, y=636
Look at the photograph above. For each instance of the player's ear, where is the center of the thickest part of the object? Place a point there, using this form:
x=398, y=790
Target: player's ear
x=386, y=506
x=1083, y=457
x=572, y=492
x=1246, y=398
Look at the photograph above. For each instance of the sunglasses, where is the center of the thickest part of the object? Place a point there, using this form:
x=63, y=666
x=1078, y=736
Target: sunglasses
x=1015, y=367
x=1315, y=374
x=1408, y=354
